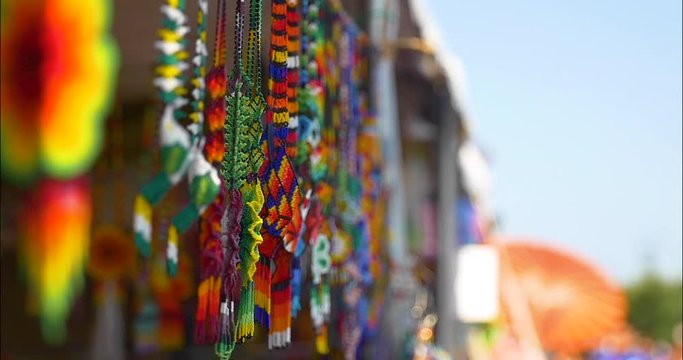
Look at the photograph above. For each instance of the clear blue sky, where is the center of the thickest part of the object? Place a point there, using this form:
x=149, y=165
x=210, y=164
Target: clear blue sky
x=578, y=104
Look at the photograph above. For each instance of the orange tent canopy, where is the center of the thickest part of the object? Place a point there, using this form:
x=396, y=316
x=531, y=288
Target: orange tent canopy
x=572, y=303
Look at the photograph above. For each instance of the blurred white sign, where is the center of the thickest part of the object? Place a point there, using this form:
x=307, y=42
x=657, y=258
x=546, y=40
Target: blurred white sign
x=476, y=283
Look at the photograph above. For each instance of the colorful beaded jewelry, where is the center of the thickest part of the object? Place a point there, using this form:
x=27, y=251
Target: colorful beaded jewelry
x=202, y=177
x=175, y=141
x=293, y=83
x=309, y=97
x=293, y=48
x=181, y=151
x=243, y=157
x=211, y=251
x=252, y=194
x=234, y=168
x=281, y=213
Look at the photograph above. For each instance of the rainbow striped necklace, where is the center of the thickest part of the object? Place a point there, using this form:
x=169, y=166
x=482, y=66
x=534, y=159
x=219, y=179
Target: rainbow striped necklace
x=281, y=213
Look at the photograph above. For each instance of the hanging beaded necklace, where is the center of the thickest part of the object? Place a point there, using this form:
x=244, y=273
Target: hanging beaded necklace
x=233, y=169
x=181, y=150
x=242, y=224
x=175, y=141
x=313, y=149
x=211, y=253
x=251, y=191
x=281, y=213
x=294, y=43
x=202, y=177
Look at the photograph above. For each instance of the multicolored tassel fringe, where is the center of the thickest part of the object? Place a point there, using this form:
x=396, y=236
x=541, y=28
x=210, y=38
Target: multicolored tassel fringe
x=211, y=274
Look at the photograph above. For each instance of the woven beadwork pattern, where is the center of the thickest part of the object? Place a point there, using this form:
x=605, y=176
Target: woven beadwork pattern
x=282, y=218
x=281, y=212
x=234, y=169
x=252, y=194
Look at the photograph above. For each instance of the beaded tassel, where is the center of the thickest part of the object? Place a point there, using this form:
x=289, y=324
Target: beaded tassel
x=175, y=141
x=226, y=344
x=230, y=293
x=212, y=258
x=210, y=286
x=281, y=213
x=262, y=287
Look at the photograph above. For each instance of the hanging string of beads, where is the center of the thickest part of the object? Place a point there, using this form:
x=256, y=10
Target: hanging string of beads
x=211, y=253
x=175, y=141
x=203, y=178
x=293, y=82
x=281, y=213
x=304, y=178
